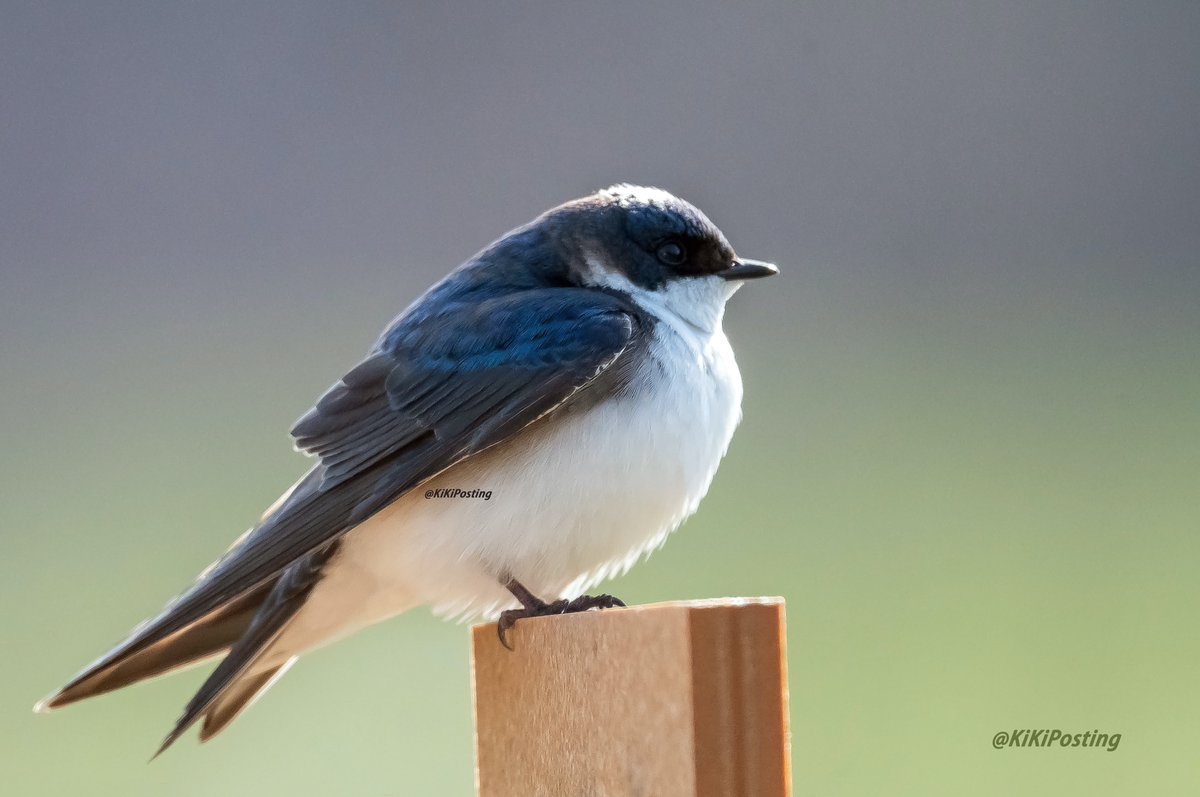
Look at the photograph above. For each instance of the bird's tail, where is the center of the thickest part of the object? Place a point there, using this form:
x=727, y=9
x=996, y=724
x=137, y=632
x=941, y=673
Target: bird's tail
x=252, y=664
x=244, y=629
x=238, y=696
x=209, y=636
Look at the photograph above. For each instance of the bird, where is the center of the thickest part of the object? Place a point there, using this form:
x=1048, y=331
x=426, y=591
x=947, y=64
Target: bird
x=533, y=424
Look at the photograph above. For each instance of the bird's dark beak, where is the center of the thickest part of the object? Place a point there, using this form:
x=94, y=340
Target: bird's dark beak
x=746, y=269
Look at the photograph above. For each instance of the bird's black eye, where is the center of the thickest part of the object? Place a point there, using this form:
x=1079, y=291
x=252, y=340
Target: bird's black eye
x=671, y=253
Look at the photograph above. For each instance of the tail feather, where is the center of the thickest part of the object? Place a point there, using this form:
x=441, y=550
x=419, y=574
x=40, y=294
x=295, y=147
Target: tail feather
x=238, y=697
x=233, y=668
x=209, y=636
x=286, y=597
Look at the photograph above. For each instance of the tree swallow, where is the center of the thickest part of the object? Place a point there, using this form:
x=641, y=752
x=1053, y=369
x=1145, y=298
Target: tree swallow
x=574, y=372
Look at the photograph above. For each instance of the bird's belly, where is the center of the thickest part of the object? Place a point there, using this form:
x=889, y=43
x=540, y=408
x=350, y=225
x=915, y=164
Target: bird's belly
x=564, y=505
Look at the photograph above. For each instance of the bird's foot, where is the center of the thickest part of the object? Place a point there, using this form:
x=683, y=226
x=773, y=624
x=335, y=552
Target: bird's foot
x=540, y=609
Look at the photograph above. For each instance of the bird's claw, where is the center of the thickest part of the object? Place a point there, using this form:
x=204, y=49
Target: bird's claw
x=585, y=602
x=581, y=604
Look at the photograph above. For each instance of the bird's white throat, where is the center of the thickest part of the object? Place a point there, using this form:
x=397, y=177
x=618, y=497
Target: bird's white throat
x=698, y=302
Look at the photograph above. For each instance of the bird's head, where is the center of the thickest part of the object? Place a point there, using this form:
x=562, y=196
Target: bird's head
x=662, y=251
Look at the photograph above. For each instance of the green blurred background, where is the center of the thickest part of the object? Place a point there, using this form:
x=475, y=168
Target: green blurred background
x=971, y=446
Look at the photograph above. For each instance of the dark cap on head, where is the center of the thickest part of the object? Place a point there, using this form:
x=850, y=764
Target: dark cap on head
x=651, y=236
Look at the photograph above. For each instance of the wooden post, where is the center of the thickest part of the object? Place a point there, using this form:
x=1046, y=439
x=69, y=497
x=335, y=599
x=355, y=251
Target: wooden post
x=667, y=700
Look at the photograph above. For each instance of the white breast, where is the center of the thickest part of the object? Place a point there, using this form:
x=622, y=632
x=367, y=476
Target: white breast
x=576, y=502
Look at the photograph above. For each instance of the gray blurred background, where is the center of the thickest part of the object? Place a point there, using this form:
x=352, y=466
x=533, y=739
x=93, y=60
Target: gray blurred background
x=970, y=453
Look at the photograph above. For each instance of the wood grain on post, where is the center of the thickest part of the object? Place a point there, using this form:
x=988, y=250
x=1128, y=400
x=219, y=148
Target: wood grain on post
x=686, y=698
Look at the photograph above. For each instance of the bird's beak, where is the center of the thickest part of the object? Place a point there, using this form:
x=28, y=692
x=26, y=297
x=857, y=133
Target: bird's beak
x=746, y=269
